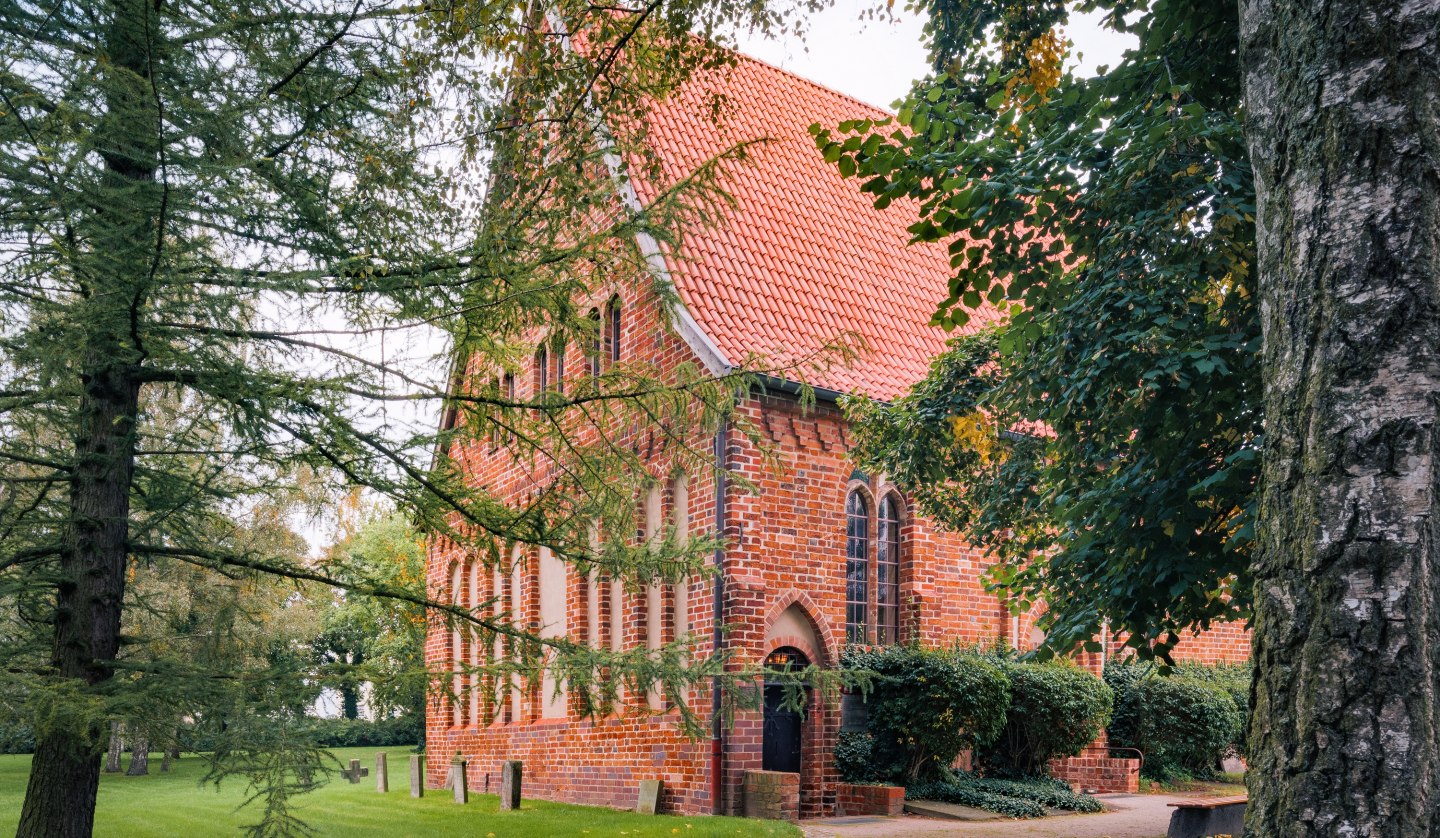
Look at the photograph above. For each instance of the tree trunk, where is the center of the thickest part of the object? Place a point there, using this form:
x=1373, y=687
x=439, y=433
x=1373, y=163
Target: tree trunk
x=1343, y=100
x=120, y=240
x=350, y=690
x=117, y=744
x=139, y=756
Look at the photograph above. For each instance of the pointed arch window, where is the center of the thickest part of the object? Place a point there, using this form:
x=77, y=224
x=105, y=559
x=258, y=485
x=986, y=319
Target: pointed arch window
x=560, y=364
x=613, y=322
x=597, y=344
x=542, y=370
x=887, y=572
x=857, y=566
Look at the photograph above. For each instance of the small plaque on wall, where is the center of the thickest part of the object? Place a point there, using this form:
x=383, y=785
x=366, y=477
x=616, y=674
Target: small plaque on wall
x=852, y=713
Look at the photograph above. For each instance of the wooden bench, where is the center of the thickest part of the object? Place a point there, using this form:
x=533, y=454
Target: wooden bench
x=1207, y=816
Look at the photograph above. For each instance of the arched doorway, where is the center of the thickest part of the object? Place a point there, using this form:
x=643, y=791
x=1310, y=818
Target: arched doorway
x=782, y=739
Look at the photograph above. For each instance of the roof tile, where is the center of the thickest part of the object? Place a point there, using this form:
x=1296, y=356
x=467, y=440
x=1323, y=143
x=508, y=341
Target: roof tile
x=804, y=258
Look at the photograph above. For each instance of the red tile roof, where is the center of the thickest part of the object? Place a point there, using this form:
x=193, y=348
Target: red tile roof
x=802, y=259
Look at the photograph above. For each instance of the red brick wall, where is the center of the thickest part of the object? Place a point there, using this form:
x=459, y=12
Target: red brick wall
x=1094, y=771
x=772, y=795
x=787, y=549
x=852, y=799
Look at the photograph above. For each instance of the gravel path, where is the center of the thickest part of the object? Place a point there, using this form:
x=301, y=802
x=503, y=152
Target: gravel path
x=1130, y=816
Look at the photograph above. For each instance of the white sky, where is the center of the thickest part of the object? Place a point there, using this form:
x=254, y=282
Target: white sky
x=876, y=60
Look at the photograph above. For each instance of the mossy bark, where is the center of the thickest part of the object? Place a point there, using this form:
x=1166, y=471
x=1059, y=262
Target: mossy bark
x=1343, y=102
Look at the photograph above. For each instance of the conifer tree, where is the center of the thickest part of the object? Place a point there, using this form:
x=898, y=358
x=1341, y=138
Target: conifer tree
x=209, y=209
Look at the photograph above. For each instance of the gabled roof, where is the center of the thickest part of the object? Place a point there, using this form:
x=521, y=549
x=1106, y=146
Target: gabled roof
x=803, y=258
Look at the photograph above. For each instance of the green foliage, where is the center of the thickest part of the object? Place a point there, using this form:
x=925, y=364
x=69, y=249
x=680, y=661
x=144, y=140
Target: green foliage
x=1104, y=227
x=966, y=794
x=1234, y=679
x=925, y=706
x=855, y=757
x=371, y=640
x=1048, y=792
x=1183, y=724
x=407, y=731
x=1055, y=710
x=243, y=244
x=16, y=738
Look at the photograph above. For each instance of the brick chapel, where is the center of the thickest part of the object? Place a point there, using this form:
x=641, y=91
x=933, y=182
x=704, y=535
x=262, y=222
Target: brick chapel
x=821, y=554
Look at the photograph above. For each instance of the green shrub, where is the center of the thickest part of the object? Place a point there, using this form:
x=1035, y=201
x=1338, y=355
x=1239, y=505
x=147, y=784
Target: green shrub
x=1182, y=724
x=16, y=738
x=1048, y=792
x=1234, y=679
x=926, y=706
x=965, y=794
x=397, y=732
x=855, y=758
x=1056, y=709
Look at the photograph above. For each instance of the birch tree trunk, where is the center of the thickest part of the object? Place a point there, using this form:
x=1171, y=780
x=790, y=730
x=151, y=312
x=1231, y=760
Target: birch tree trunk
x=117, y=744
x=1343, y=102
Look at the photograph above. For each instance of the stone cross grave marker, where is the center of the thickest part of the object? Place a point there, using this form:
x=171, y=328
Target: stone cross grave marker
x=417, y=775
x=511, y=773
x=382, y=772
x=649, y=797
x=354, y=772
x=457, y=779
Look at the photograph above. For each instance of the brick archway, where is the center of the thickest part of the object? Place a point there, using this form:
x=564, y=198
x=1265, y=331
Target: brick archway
x=822, y=653
x=821, y=726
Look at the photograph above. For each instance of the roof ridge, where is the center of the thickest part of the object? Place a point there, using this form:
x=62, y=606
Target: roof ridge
x=806, y=79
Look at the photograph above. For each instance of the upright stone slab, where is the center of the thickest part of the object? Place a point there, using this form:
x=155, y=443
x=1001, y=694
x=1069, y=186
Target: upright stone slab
x=382, y=773
x=457, y=779
x=511, y=774
x=650, y=791
x=417, y=775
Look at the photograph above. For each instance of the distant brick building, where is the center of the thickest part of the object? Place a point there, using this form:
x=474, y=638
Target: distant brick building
x=821, y=554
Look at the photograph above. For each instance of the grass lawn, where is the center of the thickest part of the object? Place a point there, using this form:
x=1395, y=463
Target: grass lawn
x=174, y=804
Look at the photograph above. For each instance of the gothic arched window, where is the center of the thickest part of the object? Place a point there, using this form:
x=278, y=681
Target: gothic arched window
x=857, y=566
x=887, y=575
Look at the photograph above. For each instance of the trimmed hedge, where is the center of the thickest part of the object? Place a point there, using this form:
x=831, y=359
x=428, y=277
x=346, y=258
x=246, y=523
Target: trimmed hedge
x=926, y=706
x=1183, y=724
x=1056, y=709
x=1233, y=678
x=399, y=732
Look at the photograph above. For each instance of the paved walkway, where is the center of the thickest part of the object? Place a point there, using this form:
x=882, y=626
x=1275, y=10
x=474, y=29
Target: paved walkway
x=1130, y=816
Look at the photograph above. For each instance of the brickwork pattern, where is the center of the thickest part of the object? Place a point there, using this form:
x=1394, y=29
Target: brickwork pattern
x=859, y=799
x=772, y=795
x=787, y=549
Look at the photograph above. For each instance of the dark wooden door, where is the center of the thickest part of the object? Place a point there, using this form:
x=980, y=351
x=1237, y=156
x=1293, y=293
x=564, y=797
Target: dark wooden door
x=781, y=742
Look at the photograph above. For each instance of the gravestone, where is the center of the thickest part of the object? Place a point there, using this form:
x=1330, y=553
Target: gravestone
x=382, y=772
x=355, y=772
x=457, y=779
x=650, y=791
x=417, y=775
x=511, y=774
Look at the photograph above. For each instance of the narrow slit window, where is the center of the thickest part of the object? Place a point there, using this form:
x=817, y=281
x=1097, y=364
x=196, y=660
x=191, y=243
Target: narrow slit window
x=597, y=343
x=560, y=365
x=613, y=321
